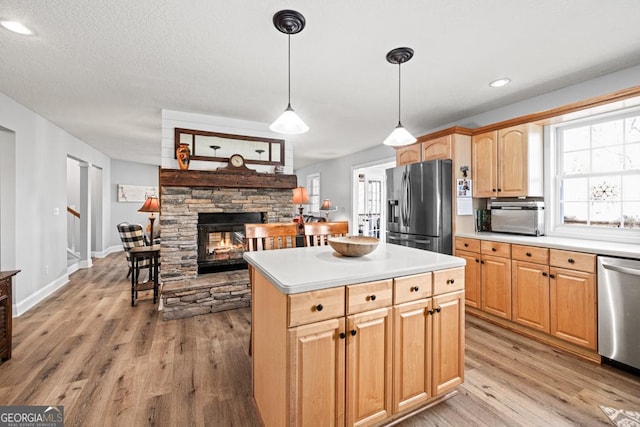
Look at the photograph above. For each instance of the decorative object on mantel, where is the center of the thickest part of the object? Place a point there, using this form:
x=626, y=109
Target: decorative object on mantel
x=183, y=154
x=289, y=22
x=399, y=136
x=327, y=207
x=152, y=205
x=236, y=164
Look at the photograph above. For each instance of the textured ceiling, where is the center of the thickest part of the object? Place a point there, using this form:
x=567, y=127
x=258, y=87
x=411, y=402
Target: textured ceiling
x=103, y=70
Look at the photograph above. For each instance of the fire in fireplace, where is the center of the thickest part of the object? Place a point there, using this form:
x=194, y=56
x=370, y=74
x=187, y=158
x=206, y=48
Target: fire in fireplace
x=221, y=240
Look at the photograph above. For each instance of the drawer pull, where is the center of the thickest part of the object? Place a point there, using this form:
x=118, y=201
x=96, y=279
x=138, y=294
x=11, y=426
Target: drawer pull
x=319, y=307
x=438, y=309
x=528, y=254
x=415, y=289
x=450, y=281
x=372, y=298
x=342, y=335
x=353, y=332
x=493, y=249
x=571, y=261
x=466, y=245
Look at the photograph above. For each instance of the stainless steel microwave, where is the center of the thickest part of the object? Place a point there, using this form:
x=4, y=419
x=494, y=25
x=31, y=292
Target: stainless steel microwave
x=518, y=217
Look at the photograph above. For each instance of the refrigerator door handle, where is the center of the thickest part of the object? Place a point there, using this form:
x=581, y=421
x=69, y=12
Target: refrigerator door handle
x=405, y=200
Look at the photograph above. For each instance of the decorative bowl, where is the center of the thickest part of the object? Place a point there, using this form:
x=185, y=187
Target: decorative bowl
x=353, y=245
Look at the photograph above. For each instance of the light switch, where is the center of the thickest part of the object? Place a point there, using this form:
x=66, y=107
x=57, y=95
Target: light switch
x=56, y=211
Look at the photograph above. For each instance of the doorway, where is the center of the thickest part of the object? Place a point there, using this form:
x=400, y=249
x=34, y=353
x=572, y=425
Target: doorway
x=8, y=197
x=369, y=195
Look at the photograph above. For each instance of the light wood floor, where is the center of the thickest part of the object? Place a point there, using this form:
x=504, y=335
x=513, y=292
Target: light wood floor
x=111, y=364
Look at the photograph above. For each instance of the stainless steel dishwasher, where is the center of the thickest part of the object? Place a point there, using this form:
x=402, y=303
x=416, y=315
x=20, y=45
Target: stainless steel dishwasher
x=619, y=310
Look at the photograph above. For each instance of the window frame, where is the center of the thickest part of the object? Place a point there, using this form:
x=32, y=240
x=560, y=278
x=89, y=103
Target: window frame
x=553, y=160
x=314, y=198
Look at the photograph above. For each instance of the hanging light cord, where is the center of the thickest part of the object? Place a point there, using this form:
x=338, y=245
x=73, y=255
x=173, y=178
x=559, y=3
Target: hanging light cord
x=289, y=68
x=399, y=91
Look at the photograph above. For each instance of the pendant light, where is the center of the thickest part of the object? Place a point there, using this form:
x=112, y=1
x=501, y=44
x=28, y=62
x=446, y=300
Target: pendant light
x=289, y=22
x=399, y=136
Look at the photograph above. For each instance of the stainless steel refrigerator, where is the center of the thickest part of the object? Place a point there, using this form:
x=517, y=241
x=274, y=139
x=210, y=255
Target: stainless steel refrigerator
x=419, y=206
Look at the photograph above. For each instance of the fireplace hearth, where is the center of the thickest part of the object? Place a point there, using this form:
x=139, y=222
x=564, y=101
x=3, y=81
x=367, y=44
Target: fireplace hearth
x=221, y=240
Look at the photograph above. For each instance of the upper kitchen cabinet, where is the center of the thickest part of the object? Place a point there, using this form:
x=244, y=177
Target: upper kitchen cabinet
x=438, y=148
x=408, y=154
x=508, y=162
x=451, y=143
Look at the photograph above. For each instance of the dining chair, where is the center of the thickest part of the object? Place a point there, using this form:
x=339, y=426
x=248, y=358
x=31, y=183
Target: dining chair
x=317, y=233
x=261, y=237
x=132, y=236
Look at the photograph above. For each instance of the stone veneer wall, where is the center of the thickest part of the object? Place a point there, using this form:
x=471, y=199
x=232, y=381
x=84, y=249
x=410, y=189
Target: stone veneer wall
x=179, y=220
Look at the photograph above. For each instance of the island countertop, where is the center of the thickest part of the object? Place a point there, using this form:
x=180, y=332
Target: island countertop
x=305, y=269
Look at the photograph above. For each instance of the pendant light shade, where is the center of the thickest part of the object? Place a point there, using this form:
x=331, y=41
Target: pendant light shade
x=400, y=136
x=289, y=22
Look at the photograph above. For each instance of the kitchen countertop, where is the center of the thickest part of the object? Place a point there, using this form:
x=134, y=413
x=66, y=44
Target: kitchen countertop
x=305, y=269
x=598, y=247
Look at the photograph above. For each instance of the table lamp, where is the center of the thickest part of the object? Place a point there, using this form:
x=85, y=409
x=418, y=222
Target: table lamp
x=327, y=207
x=152, y=204
x=300, y=197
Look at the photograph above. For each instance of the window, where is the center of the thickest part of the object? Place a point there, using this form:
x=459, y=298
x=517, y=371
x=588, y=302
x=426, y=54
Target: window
x=313, y=190
x=597, y=176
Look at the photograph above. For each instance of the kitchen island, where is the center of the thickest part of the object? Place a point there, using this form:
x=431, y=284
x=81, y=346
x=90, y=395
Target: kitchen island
x=354, y=341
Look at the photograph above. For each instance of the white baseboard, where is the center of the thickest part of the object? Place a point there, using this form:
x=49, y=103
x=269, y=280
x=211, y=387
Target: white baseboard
x=109, y=250
x=33, y=299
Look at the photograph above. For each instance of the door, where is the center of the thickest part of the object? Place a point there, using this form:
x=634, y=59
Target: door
x=448, y=342
x=317, y=357
x=530, y=286
x=496, y=286
x=512, y=162
x=472, y=279
x=369, y=367
x=484, y=165
x=412, y=354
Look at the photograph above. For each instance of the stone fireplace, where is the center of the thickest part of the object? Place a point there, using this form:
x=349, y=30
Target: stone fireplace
x=187, y=196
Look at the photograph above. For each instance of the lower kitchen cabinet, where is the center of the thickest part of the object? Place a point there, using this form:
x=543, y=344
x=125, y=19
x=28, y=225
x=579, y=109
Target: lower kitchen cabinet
x=530, y=286
x=448, y=342
x=472, y=279
x=573, y=306
x=496, y=285
x=317, y=357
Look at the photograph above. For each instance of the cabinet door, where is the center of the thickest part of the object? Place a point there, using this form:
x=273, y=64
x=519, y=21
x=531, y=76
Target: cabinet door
x=496, y=286
x=472, y=279
x=439, y=148
x=369, y=367
x=448, y=342
x=573, y=306
x=530, y=287
x=317, y=374
x=484, y=164
x=412, y=354
x=408, y=154
x=512, y=162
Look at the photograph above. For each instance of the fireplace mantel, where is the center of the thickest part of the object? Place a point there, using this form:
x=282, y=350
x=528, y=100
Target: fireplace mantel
x=225, y=179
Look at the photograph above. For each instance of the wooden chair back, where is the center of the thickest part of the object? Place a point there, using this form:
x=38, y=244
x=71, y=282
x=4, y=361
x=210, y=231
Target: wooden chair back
x=261, y=237
x=316, y=233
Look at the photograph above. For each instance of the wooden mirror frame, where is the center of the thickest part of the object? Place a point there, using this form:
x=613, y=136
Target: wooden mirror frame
x=271, y=150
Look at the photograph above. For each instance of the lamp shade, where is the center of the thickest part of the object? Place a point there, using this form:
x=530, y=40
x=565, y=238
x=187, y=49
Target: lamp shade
x=152, y=204
x=289, y=123
x=400, y=136
x=326, y=205
x=300, y=196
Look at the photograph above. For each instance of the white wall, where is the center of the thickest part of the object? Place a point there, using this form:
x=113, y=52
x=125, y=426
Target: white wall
x=179, y=119
x=41, y=151
x=335, y=174
x=130, y=173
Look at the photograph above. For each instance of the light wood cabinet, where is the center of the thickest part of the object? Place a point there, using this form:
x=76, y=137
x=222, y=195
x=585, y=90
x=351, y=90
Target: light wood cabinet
x=369, y=362
x=573, y=298
x=408, y=154
x=530, y=286
x=437, y=148
x=472, y=279
x=448, y=342
x=508, y=162
x=496, y=278
x=317, y=369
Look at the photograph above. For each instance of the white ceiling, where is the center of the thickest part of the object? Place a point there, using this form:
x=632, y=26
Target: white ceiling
x=103, y=70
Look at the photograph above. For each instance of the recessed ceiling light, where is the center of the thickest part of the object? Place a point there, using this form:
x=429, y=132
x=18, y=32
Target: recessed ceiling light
x=16, y=27
x=500, y=82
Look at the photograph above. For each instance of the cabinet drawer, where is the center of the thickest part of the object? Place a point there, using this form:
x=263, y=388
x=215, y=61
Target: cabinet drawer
x=464, y=244
x=448, y=280
x=411, y=288
x=313, y=306
x=530, y=254
x=367, y=296
x=573, y=260
x=495, y=248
